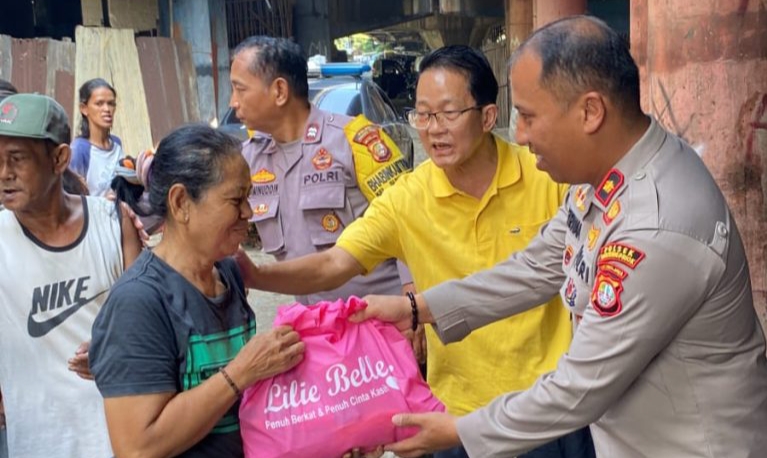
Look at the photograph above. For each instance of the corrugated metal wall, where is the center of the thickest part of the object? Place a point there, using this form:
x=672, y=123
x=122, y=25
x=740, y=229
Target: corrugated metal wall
x=167, y=86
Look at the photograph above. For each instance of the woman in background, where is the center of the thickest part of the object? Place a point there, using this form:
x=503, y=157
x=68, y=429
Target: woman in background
x=96, y=152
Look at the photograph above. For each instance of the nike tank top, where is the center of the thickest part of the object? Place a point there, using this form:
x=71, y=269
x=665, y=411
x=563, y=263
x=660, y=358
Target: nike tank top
x=49, y=298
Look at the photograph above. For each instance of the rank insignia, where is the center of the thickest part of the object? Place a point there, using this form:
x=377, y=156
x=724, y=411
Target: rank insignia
x=624, y=254
x=311, y=132
x=262, y=176
x=612, y=212
x=606, y=295
x=322, y=159
x=568, y=256
x=260, y=209
x=580, y=198
x=593, y=236
x=570, y=293
x=330, y=222
x=610, y=185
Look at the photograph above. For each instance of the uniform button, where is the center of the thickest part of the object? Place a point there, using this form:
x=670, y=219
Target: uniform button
x=640, y=175
x=721, y=229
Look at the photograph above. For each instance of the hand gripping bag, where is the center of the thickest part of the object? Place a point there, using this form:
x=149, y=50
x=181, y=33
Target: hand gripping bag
x=352, y=379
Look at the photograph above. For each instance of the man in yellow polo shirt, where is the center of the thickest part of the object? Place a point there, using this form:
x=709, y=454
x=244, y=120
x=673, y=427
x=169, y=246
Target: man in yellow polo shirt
x=477, y=200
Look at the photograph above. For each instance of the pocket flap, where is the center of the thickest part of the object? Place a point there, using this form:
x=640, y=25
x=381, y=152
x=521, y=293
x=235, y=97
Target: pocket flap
x=264, y=207
x=323, y=197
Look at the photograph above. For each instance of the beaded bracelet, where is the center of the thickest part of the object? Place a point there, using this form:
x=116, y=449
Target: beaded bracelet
x=231, y=383
x=413, y=309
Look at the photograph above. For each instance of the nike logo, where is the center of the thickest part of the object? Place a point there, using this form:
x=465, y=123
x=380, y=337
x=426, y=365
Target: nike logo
x=57, y=296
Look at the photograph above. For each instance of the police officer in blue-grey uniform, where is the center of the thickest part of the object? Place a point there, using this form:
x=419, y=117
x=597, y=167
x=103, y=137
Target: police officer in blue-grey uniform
x=313, y=172
x=668, y=356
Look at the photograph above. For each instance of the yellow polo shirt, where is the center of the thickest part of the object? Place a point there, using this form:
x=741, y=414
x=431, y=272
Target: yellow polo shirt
x=443, y=234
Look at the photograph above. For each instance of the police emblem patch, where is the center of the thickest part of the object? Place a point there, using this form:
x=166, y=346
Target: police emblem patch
x=263, y=176
x=260, y=209
x=311, y=132
x=322, y=159
x=330, y=222
x=612, y=212
x=609, y=186
x=379, y=150
x=606, y=295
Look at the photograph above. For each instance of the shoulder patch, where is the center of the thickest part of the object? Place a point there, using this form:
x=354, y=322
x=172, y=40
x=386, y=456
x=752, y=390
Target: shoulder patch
x=618, y=252
x=378, y=163
x=370, y=137
x=609, y=186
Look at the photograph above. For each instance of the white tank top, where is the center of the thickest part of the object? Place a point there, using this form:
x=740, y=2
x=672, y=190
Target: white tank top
x=49, y=298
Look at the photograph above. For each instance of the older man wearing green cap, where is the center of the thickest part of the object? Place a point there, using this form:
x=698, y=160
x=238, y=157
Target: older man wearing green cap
x=59, y=254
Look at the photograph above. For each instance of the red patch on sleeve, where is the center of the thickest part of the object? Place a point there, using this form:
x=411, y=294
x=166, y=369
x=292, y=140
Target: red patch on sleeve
x=606, y=295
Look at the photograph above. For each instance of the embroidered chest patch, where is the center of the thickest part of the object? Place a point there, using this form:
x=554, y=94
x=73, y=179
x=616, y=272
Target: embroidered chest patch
x=263, y=176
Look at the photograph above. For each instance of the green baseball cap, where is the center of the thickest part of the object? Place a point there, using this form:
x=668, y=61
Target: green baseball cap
x=34, y=116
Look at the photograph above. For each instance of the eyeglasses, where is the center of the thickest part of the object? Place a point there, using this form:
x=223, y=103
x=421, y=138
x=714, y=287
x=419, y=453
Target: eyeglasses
x=421, y=119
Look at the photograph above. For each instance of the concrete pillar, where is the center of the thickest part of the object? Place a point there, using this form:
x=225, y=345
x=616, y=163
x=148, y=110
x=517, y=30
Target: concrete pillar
x=191, y=22
x=545, y=11
x=220, y=54
x=704, y=76
x=311, y=26
x=519, y=21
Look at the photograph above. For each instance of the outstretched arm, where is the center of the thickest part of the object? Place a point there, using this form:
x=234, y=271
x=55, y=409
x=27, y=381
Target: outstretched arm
x=308, y=274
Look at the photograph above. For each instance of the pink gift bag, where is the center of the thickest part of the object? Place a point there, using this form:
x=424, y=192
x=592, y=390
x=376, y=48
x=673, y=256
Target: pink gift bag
x=353, y=378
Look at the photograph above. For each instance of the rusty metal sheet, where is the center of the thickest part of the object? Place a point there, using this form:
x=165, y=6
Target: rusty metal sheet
x=64, y=93
x=157, y=58
x=29, y=72
x=6, y=58
x=61, y=73
x=187, y=80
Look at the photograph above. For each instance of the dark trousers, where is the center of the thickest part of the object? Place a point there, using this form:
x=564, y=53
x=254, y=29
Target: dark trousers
x=577, y=444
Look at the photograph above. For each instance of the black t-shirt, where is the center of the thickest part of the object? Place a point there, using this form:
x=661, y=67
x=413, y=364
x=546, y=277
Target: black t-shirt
x=158, y=333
